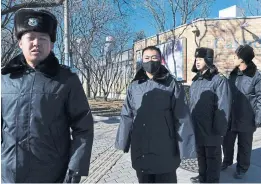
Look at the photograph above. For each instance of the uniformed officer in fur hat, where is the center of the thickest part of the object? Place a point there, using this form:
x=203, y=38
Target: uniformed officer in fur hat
x=210, y=108
x=41, y=101
x=245, y=83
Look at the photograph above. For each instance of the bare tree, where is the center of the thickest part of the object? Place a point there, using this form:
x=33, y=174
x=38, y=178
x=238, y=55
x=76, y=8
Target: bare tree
x=89, y=28
x=158, y=10
x=9, y=46
x=167, y=14
x=95, y=80
x=113, y=62
x=112, y=73
x=124, y=6
x=12, y=6
x=121, y=35
x=88, y=66
x=188, y=9
x=252, y=7
x=140, y=35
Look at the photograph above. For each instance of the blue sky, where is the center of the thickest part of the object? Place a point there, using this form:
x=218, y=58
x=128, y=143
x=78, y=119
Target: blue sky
x=138, y=23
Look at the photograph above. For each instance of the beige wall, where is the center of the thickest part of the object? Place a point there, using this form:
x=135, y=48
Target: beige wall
x=220, y=34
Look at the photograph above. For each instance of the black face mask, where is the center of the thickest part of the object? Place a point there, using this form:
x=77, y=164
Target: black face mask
x=151, y=67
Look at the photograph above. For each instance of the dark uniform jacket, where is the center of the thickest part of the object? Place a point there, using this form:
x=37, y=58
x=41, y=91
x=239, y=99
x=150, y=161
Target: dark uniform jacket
x=246, y=95
x=38, y=108
x=210, y=104
x=155, y=121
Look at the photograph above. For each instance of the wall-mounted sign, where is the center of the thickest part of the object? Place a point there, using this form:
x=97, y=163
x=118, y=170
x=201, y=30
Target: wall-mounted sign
x=174, y=57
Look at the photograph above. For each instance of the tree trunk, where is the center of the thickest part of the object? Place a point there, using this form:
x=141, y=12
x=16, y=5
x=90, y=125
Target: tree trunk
x=106, y=94
x=88, y=84
x=106, y=98
x=94, y=95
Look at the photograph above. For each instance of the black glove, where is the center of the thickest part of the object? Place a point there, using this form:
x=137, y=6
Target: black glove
x=72, y=177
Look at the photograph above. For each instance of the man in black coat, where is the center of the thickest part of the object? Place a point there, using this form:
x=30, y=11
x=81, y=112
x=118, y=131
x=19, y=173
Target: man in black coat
x=210, y=108
x=41, y=101
x=155, y=121
x=245, y=83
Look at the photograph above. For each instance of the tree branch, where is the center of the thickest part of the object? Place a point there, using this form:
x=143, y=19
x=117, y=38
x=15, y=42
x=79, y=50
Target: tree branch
x=31, y=5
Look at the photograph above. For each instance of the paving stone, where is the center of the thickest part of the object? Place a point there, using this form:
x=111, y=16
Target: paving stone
x=112, y=178
x=110, y=181
x=118, y=173
x=122, y=179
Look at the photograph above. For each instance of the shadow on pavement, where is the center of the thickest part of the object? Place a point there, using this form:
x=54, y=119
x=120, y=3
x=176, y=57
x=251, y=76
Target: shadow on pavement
x=253, y=175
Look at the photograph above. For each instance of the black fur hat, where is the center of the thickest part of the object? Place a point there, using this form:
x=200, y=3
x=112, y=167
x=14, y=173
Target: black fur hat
x=245, y=52
x=27, y=20
x=207, y=54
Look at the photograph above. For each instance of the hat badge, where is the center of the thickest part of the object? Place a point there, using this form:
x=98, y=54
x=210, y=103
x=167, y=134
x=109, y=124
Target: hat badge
x=197, y=53
x=33, y=22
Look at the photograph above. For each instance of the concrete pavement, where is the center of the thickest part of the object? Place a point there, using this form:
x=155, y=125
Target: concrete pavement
x=109, y=165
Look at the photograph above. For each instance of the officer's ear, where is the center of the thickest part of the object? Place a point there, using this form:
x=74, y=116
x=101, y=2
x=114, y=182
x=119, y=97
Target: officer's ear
x=20, y=43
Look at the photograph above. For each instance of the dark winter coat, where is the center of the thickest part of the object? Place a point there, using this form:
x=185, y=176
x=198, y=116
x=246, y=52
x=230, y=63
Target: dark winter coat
x=246, y=104
x=210, y=104
x=155, y=121
x=38, y=108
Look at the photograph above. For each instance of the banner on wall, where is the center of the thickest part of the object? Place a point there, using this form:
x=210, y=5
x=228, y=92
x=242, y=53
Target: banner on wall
x=173, y=58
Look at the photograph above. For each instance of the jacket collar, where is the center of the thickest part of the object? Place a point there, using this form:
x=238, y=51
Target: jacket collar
x=161, y=76
x=49, y=66
x=250, y=71
x=209, y=74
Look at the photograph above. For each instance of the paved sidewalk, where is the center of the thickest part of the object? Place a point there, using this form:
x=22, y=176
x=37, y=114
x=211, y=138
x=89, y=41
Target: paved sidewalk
x=109, y=165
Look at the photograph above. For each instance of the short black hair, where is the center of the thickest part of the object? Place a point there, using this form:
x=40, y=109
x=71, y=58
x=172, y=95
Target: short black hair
x=152, y=48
